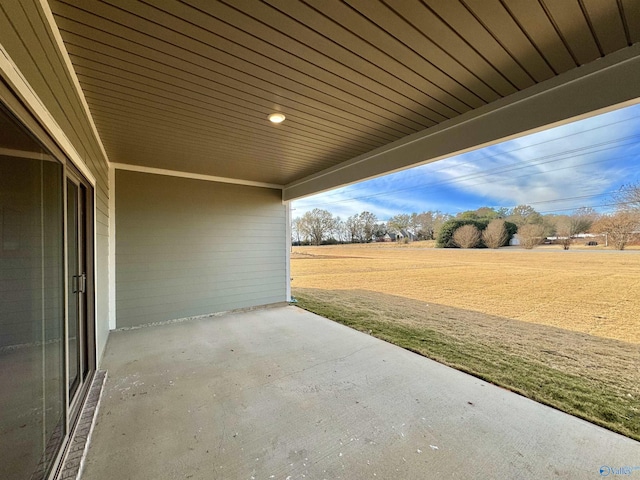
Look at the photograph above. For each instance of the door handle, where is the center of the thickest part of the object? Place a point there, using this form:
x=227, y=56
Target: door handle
x=80, y=283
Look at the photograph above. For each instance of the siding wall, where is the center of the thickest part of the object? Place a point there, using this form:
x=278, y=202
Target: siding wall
x=27, y=37
x=190, y=247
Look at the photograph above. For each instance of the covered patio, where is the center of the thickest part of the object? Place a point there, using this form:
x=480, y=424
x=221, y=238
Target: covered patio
x=285, y=394
x=142, y=183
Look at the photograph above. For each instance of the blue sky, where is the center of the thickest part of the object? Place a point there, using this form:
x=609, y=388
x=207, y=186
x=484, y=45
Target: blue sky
x=554, y=171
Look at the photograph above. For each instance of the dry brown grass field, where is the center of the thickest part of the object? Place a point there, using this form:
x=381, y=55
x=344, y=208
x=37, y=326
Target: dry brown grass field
x=595, y=292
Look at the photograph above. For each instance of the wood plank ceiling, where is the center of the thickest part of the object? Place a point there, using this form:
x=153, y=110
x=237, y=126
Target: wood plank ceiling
x=187, y=85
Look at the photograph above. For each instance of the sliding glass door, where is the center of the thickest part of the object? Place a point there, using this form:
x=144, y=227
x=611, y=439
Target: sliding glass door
x=46, y=324
x=77, y=281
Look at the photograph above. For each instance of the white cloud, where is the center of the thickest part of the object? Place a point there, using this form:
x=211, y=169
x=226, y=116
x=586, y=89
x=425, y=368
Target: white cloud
x=342, y=203
x=576, y=162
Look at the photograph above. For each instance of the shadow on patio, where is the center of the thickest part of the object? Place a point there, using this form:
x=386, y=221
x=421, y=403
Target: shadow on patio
x=281, y=393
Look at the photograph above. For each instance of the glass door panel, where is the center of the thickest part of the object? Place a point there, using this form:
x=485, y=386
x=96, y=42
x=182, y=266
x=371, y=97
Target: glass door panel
x=32, y=380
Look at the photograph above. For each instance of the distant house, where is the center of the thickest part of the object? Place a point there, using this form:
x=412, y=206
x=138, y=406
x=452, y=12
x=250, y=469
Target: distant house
x=515, y=240
x=406, y=234
x=397, y=236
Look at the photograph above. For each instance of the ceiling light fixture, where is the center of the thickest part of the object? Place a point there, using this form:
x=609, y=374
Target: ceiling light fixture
x=276, y=117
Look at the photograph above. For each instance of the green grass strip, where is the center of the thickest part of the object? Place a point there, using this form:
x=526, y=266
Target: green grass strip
x=595, y=401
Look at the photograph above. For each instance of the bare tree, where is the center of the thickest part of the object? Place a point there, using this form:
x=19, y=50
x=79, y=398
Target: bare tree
x=628, y=197
x=620, y=227
x=568, y=226
x=368, y=224
x=399, y=223
x=531, y=235
x=564, y=231
x=340, y=230
x=317, y=225
x=361, y=226
x=523, y=215
x=582, y=220
x=466, y=236
x=295, y=229
x=425, y=225
x=352, y=226
x=439, y=219
x=495, y=235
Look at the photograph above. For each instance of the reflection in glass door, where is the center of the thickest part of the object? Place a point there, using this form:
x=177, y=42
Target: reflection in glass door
x=33, y=423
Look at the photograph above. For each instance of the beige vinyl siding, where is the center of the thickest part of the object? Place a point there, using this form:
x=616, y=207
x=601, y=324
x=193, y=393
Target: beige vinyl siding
x=188, y=247
x=26, y=35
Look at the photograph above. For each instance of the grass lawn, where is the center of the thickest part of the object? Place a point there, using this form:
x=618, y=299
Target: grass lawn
x=595, y=378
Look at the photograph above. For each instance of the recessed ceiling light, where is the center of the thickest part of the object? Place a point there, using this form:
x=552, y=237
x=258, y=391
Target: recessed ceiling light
x=276, y=117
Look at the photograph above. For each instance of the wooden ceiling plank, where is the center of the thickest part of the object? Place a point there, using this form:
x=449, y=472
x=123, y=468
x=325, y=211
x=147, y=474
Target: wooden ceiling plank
x=427, y=50
x=293, y=159
x=232, y=154
x=503, y=27
x=631, y=15
x=253, y=157
x=533, y=19
x=212, y=85
x=304, y=38
x=606, y=21
x=254, y=167
x=228, y=115
x=207, y=99
x=389, y=33
x=177, y=110
x=427, y=25
x=201, y=165
x=459, y=19
x=268, y=43
x=235, y=144
x=148, y=113
x=573, y=27
x=279, y=86
x=250, y=159
x=209, y=46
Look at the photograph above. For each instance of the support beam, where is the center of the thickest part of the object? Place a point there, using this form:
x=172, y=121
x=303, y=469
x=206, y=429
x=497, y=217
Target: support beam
x=602, y=85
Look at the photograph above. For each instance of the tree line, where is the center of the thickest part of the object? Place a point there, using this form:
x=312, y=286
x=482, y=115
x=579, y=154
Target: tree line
x=484, y=227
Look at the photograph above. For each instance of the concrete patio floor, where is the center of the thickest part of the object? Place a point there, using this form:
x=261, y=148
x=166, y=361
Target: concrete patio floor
x=284, y=394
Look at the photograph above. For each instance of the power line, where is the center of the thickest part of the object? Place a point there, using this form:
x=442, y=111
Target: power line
x=548, y=141
x=484, y=173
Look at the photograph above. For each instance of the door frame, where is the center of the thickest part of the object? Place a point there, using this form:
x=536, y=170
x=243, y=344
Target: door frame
x=86, y=236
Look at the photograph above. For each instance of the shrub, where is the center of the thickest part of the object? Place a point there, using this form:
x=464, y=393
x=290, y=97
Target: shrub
x=495, y=235
x=467, y=236
x=445, y=236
